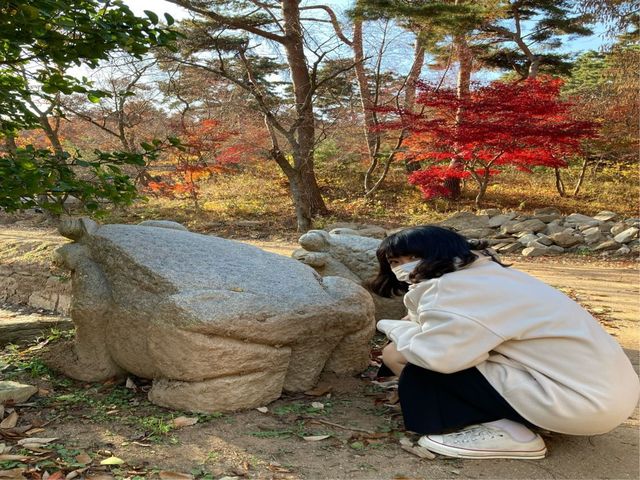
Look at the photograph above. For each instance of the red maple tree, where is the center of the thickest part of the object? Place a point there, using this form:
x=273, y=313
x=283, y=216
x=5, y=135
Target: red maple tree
x=523, y=124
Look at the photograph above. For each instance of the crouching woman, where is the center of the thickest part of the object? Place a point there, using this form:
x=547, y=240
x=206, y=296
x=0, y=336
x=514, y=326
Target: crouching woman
x=487, y=351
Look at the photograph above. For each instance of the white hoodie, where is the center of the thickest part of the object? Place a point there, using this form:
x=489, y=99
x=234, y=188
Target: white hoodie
x=546, y=355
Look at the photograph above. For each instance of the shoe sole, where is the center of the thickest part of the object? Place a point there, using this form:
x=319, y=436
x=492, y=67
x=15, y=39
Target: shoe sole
x=480, y=454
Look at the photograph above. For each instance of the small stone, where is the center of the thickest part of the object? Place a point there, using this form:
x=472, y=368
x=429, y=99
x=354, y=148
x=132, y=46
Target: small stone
x=593, y=237
x=605, y=227
x=606, y=216
x=627, y=235
x=15, y=392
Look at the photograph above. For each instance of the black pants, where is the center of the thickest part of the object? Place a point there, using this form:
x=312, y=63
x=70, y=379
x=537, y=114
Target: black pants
x=435, y=402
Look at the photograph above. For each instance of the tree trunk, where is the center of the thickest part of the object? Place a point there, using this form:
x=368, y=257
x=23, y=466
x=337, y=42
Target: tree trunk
x=583, y=172
x=411, y=89
x=559, y=182
x=465, y=62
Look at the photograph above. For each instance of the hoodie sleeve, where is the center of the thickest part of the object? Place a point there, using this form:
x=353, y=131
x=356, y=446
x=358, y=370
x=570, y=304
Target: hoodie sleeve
x=441, y=341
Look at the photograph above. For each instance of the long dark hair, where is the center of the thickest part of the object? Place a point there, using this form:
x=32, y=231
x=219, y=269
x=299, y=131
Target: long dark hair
x=441, y=251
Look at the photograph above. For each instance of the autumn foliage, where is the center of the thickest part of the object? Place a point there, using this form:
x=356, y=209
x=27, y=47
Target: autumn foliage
x=522, y=124
x=206, y=148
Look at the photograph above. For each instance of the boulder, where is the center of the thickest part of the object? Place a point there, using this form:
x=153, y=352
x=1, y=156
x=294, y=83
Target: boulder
x=619, y=228
x=592, y=235
x=535, y=251
x=554, y=228
x=579, y=219
x=466, y=221
x=547, y=214
x=627, y=235
x=527, y=239
x=366, y=231
x=533, y=225
x=623, y=250
x=565, y=239
x=606, y=245
x=499, y=220
x=348, y=256
x=606, y=216
x=507, y=248
x=544, y=240
x=217, y=325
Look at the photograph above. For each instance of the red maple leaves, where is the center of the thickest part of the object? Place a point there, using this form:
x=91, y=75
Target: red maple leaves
x=523, y=124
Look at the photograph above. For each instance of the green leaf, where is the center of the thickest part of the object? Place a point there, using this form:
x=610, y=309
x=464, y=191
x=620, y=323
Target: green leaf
x=169, y=18
x=152, y=16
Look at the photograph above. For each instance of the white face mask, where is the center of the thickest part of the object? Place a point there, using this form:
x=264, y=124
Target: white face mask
x=403, y=271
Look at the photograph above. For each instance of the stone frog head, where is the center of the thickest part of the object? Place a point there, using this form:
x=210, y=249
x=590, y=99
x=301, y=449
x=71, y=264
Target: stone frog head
x=348, y=256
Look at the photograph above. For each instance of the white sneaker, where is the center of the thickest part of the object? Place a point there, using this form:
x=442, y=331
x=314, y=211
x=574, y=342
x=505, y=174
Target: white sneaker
x=483, y=441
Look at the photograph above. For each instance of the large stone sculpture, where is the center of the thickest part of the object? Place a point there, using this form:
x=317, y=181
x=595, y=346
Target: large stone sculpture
x=218, y=325
x=348, y=256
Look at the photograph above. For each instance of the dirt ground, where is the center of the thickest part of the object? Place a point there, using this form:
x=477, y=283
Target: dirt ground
x=112, y=420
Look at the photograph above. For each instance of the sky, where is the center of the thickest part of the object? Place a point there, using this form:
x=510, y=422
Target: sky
x=592, y=42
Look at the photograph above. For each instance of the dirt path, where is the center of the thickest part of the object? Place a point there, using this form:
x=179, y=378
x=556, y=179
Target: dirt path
x=251, y=444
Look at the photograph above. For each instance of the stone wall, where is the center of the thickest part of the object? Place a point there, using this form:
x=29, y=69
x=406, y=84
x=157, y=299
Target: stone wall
x=547, y=232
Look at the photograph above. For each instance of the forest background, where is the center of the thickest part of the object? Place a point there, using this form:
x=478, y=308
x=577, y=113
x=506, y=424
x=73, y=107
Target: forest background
x=291, y=115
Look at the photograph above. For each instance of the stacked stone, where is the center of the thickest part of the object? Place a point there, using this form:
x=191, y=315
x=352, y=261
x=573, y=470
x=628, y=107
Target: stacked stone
x=547, y=232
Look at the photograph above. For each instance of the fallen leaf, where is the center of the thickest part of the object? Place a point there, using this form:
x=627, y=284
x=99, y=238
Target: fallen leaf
x=180, y=422
x=83, y=458
x=165, y=475
x=7, y=457
x=59, y=475
x=130, y=384
x=43, y=392
x=112, y=461
x=13, y=473
x=262, y=409
x=35, y=440
x=317, y=405
x=1, y=411
x=316, y=438
x=34, y=431
x=100, y=476
x=11, y=420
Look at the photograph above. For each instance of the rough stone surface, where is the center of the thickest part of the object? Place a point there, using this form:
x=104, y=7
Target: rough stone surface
x=606, y=216
x=163, y=224
x=217, y=324
x=627, y=235
x=499, y=220
x=348, y=256
x=535, y=251
x=366, y=231
x=578, y=218
x=619, y=228
x=544, y=240
x=466, y=221
x=15, y=392
x=527, y=239
x=565, y=239
x=553, y=228
x=547, y=214
x=608, y=245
